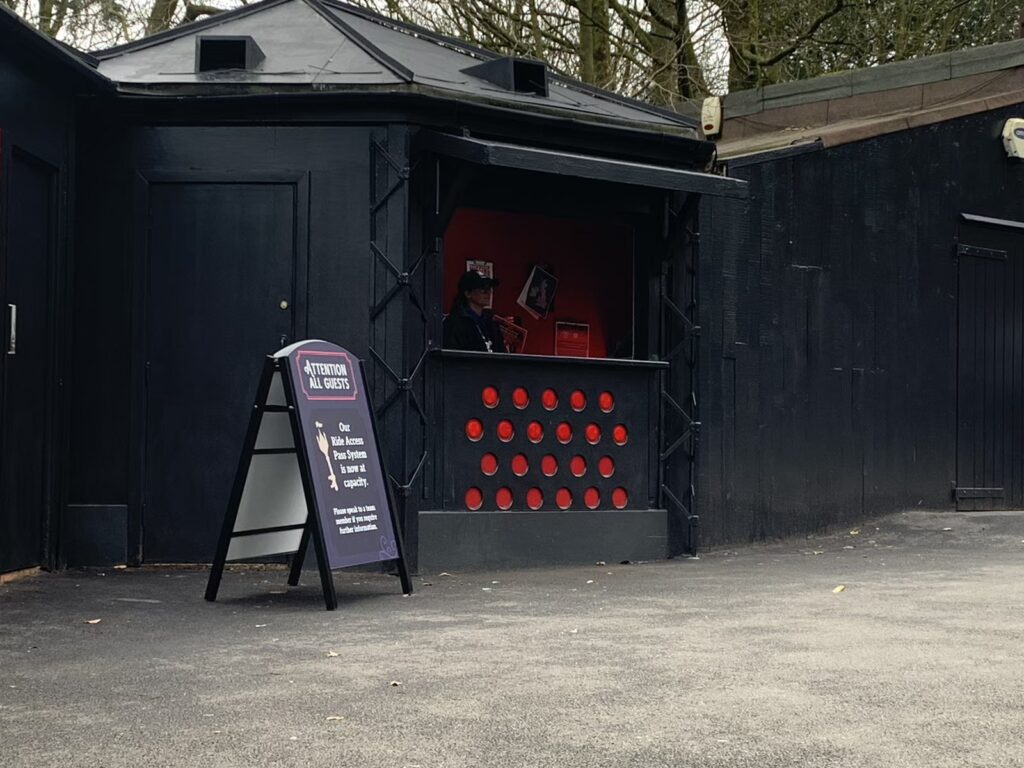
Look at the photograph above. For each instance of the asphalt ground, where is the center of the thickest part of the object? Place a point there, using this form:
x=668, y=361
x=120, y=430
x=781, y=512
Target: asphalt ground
x=745, y=657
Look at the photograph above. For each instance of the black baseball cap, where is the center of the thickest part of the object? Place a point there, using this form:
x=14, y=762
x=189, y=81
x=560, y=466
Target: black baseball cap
x=473, y=280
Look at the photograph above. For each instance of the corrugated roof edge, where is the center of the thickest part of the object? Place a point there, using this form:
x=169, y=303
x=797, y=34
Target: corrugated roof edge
x=765, y=146
x=884, y=77
x=80, y=63
x=487, y=54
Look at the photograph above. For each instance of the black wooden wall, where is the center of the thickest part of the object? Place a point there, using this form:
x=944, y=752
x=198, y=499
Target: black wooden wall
x=225, y=184
x=828, y=313
x=37, y=95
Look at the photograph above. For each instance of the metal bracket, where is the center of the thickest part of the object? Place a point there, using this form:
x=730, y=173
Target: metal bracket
x=981, y=253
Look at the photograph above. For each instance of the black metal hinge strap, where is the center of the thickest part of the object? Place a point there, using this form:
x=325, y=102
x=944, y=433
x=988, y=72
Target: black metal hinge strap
x=981, y=253
x=979, y=493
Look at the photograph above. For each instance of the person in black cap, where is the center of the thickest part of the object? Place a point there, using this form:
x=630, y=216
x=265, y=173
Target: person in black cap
x=469, y=325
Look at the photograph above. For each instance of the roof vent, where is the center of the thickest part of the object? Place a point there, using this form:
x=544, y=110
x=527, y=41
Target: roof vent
x=512, y=74
x=222, y=52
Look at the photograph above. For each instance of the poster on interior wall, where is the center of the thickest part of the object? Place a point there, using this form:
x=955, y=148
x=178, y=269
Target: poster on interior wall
x=572, y=339
x=513, y=332
x=538, y=293
x=485, y=268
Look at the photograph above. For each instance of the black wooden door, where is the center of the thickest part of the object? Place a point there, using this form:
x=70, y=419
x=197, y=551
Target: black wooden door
x=990, y=369
x=31, y=237
x=221, y=296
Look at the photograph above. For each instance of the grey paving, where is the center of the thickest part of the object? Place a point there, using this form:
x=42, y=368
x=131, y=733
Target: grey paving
x=746, y=657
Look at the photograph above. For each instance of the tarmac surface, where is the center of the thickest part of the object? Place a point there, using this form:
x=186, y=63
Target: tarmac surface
x=745, y=657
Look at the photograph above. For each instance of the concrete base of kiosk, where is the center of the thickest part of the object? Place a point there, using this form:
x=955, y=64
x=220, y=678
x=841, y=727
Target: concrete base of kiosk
x=454, y=540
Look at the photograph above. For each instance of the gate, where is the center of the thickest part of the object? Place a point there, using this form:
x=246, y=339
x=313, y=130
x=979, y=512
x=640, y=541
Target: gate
x=990, y=368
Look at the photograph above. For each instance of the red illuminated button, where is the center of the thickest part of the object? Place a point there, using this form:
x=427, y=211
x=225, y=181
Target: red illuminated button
x=534, y=498
x=474, y=429
x=535, y=431
x=489, y=397
x=606, y=402
x=474, y=499
x=503, y=498
x=520, y=398
x=605, y=466
x=488, y=464
x=578, y=466
x=619, y=434
x=563, y=432
x=563, y=498
x=505, y=430
x=549, y=465
x=591, y=497
x=520, y=466
x=593, y=433
x=620, y=498
x=577, y=400
x=549, y=399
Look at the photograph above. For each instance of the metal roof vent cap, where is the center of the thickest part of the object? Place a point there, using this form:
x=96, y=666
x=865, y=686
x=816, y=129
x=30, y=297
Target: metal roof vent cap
x=220, y=52
x=513, y=74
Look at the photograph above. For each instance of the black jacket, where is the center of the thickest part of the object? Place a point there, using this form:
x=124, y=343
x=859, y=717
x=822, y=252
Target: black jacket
x=461, y=331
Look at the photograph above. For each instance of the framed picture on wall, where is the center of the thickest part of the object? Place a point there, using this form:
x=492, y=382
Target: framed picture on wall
x=572, y=339
x=485, y=268
x=538, y=293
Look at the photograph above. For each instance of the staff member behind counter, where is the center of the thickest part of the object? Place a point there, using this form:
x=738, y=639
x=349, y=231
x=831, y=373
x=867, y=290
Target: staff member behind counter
x=469, y=325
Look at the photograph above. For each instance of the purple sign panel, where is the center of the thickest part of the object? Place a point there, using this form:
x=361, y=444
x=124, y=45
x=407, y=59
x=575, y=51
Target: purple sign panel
x=344, y=463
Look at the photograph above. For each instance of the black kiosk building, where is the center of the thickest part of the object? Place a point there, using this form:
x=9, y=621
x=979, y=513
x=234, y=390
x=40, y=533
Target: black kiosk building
x=302, y=169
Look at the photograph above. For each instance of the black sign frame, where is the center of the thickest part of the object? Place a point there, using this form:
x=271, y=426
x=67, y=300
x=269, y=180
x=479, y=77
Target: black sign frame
x=312, y=526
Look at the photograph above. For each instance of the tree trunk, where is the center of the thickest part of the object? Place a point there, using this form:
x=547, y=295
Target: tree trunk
x=689, y=75
x=160, y=16
x=663, y=52
x=537, y=48
x=602, y=44
x=741, y=25
x=46, y=17
x=586, y=41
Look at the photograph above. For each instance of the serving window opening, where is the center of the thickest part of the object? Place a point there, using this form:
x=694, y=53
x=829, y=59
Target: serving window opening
x=563, y=423
x=565, y=285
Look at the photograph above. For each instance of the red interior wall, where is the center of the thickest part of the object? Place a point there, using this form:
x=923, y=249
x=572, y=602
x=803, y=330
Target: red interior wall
x=593, y=261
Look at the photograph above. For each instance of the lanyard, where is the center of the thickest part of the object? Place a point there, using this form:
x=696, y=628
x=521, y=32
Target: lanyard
x=487, y=342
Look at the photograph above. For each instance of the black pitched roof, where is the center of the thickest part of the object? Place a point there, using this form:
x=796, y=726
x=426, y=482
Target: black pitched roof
x=16, y=33
x=314, y=45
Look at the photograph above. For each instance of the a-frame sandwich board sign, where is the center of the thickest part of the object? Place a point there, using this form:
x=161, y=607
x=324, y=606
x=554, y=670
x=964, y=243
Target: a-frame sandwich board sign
x=311, y=468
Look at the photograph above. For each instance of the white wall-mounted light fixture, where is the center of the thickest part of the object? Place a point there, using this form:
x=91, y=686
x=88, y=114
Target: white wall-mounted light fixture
x=1013, y=137
x=711, y=116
